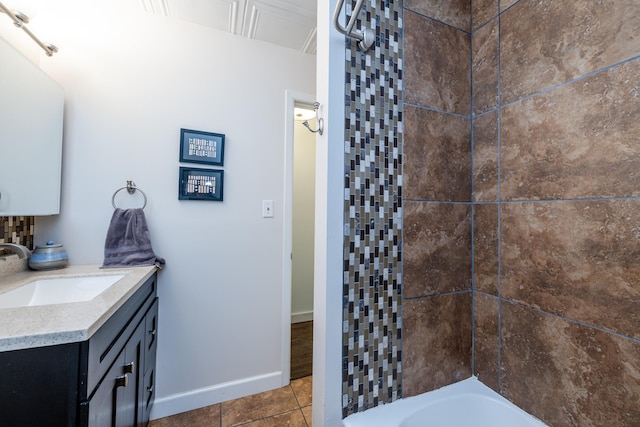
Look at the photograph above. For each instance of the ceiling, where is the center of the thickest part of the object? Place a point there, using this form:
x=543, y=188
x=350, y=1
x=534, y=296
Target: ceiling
x=288, y=23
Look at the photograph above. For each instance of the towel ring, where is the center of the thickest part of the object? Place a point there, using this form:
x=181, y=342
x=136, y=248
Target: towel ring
x=131, y=188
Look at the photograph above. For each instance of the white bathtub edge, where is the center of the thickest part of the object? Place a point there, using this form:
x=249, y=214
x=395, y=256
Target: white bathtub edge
x=383, y=415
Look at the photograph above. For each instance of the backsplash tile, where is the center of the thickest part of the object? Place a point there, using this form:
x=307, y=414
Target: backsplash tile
x=17, y=229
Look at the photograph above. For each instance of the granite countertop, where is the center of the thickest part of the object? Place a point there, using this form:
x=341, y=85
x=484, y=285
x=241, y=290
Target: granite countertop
x=44, y=325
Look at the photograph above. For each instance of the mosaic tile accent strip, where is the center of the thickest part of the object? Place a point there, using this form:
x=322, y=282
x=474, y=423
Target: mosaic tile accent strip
x=372, y=285
x=17, y=229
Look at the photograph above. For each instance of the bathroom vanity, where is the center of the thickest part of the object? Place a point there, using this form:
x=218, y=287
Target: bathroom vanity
x=88, y=363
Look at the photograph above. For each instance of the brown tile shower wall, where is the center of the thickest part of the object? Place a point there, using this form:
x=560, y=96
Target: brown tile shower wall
x=437, y=298
x=521, y=200
x=17, y=229
x=556, y=136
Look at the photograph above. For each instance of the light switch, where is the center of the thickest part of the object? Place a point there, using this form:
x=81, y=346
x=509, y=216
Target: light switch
x=267, y=208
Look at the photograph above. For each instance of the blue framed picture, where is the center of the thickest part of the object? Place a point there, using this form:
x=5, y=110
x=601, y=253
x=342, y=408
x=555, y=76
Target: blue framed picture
x=200, y=184
x=201, y=147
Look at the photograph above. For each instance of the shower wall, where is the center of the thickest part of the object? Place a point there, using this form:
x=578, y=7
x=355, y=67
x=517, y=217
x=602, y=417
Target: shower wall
x=437, y=291
x=556, y=161
x=372, y=285
x=521, y=203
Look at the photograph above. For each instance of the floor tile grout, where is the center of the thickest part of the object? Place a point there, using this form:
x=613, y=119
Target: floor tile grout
x=199, y=417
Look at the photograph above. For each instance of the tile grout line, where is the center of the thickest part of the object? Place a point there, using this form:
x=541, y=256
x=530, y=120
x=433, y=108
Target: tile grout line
x=571, y=320
x=569, y=82
x=513, y=202
x=441, y=294
x=570, y=199
x=559, y=85
x=472, y=196
x=499, y=194
x=437, y=110
x=436, y=20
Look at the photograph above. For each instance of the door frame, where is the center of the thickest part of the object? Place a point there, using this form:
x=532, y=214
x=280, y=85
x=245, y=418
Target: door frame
x=291, y=98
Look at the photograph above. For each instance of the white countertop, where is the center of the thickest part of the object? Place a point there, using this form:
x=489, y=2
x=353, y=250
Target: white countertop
x=44, y=325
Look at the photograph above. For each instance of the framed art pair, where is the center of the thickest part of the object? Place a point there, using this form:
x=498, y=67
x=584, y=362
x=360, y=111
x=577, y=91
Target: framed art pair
x=205, y=148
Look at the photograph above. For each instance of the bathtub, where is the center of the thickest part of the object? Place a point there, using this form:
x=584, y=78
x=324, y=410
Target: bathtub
x=468, y=403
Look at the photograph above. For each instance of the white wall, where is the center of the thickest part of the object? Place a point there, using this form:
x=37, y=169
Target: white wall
x=304, y=173
x=131, y=82
x=327, y=295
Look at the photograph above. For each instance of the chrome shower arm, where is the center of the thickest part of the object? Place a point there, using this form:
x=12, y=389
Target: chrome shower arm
x=366, y=37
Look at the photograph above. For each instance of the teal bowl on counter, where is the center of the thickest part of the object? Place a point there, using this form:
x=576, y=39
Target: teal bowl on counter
x=49, y=257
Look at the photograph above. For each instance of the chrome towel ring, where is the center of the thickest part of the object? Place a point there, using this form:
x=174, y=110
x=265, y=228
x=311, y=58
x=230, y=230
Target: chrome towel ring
x=131, y=188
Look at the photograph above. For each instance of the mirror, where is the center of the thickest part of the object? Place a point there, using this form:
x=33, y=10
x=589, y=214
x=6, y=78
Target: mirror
x=31, y=109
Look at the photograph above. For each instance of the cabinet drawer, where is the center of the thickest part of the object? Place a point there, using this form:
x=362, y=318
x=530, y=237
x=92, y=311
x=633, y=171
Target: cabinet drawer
x=106, y=343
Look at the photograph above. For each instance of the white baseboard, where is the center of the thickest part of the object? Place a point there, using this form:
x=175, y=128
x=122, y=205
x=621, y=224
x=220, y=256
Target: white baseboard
x=194, y=399
x=305, y=316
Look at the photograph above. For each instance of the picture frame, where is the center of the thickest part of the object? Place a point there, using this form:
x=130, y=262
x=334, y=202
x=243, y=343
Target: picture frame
x=201, y=147
x=201, y=184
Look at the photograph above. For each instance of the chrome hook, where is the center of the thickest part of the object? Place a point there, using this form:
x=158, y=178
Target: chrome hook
x=320, y=120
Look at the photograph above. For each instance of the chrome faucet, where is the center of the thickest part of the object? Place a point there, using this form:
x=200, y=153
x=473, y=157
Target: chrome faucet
x=22, y=251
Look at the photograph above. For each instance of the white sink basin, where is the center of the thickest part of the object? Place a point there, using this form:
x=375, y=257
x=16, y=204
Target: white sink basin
x=58, y=290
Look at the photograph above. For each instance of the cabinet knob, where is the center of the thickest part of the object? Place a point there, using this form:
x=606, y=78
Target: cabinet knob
x=129, y=368
x=150, y=389
x=152, y=332
x=122, y=381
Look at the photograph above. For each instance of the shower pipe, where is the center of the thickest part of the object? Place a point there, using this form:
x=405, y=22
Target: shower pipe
x=366, y=38
x=19, y=20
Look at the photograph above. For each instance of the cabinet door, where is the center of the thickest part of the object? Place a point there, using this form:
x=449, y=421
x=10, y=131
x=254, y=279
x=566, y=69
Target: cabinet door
x=129, y=397
x=102, y=406
x=115, y=402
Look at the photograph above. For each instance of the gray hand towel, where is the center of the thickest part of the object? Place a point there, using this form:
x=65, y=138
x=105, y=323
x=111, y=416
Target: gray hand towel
x=128, y=243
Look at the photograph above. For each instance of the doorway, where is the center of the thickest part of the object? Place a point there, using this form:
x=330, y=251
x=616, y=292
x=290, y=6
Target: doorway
x=299, y=235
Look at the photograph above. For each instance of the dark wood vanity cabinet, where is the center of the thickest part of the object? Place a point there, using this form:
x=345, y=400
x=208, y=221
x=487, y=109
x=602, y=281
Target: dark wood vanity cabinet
x=107, y=381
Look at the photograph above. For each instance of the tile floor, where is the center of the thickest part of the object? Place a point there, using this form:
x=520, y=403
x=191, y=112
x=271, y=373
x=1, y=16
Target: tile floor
x=287, y=406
